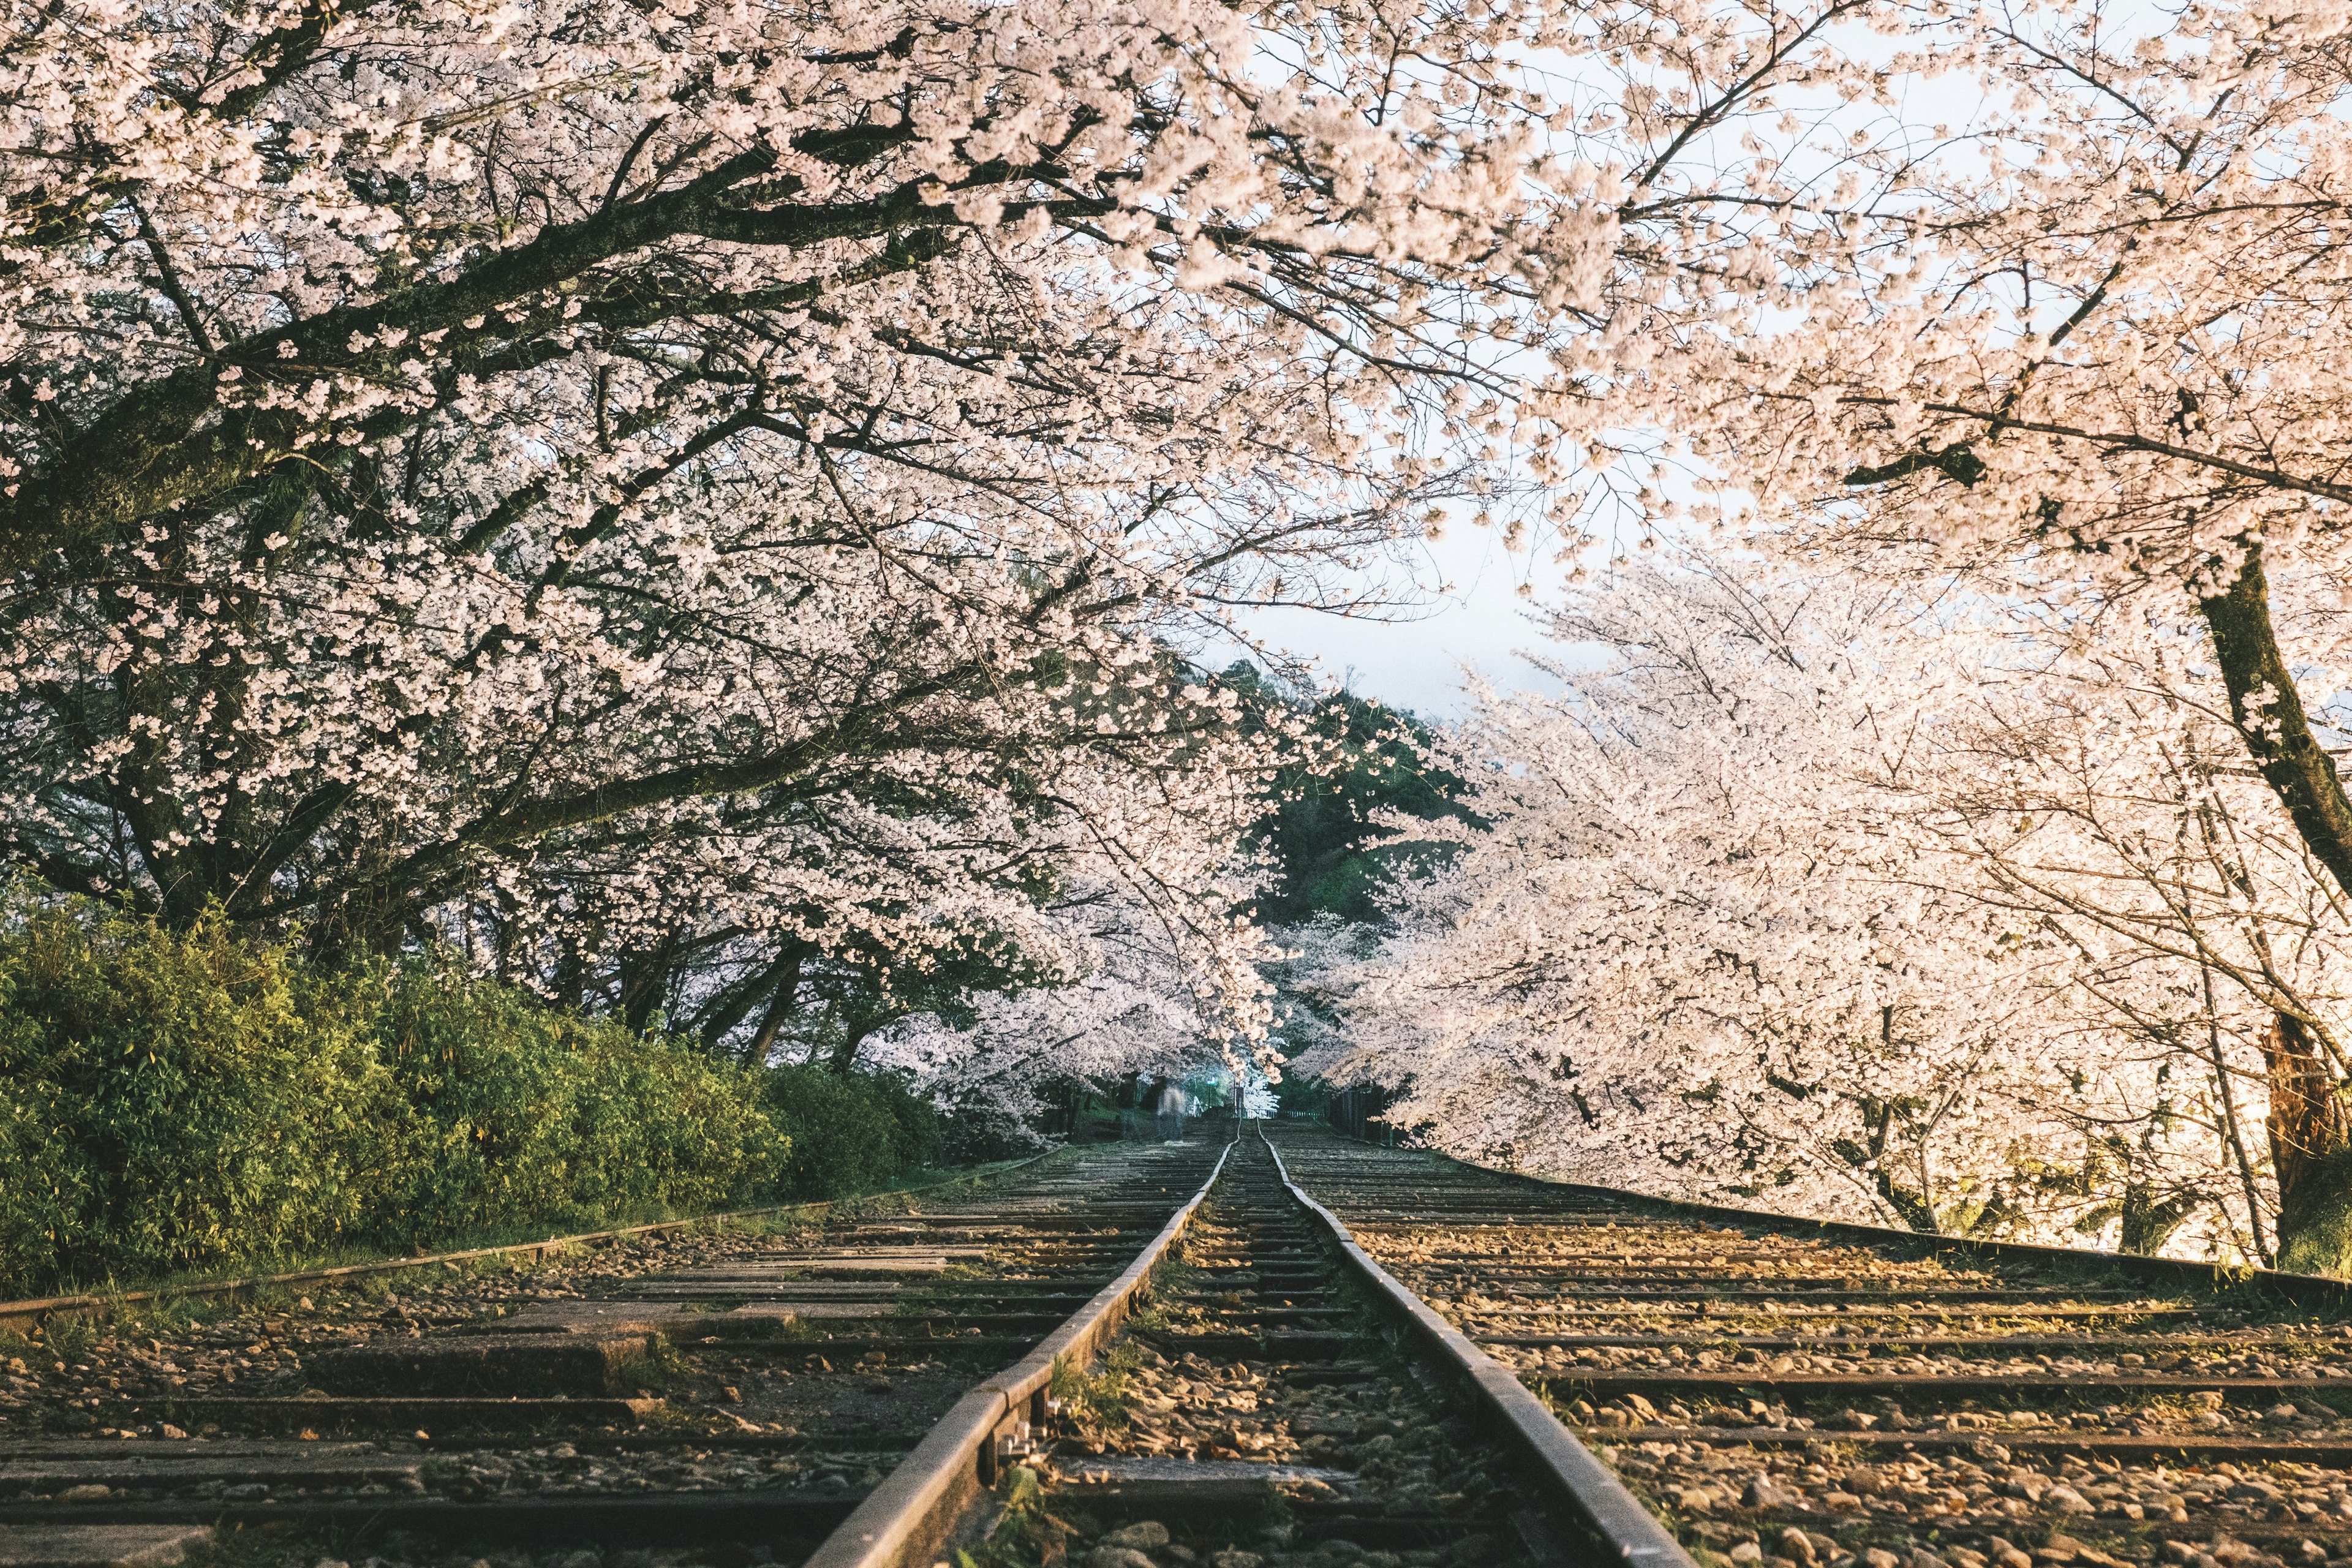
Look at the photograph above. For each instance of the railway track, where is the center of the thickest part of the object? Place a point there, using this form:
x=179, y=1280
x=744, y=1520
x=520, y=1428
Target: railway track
x=731, y=1390
x=1788, y=1393
x=1292, y=1351
x=1263, y=1406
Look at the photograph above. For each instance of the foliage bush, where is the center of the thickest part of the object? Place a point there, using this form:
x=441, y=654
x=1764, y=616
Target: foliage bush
x=529, y=1112
x=196, y=1101
x=180, y=1100
x=849, y=1134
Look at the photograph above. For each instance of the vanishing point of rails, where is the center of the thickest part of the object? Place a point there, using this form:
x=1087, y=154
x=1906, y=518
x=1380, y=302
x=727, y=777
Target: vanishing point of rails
x=1264, y=1346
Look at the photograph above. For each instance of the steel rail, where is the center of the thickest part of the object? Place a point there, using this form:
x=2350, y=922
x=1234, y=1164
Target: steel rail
x=906, y=1520
x=16, y=1317
x=1587, y=1488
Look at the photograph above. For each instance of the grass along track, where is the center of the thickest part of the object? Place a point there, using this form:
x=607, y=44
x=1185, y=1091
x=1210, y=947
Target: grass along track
x=19, y=1318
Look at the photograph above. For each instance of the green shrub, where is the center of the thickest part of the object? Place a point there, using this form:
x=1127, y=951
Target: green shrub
x=532, y=1113
x=197, y=1102
x=177, y=1100
x=848, y=1134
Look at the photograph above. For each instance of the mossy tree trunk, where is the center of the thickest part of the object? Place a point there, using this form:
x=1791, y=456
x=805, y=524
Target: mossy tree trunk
x=2148, y=1220
x=2311, y=1154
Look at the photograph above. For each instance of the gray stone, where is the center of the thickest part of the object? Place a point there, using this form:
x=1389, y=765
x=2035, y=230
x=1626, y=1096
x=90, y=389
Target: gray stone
x=1143, y=1535
x=1118, y=1557
x=99, y=1545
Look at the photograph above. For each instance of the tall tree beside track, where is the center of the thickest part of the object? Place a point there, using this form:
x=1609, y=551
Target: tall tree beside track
x=611, y=483
x=1866, y=897
x=2103, y=328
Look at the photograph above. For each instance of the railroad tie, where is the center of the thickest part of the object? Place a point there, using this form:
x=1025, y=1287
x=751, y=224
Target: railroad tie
x=725, y=1387
x=1797, y=1395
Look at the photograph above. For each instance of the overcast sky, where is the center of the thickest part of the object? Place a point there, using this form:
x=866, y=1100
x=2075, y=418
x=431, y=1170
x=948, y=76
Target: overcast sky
x=1419, y=663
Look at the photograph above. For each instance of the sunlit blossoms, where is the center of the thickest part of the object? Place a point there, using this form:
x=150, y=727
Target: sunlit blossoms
x=719, y=512
x=669, y=497
x=1886, y=899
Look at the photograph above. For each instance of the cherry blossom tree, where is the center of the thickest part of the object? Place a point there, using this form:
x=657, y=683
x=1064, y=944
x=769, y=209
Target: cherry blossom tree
x=2096, y=335
x=2101, y=791
x=1862, y=896
x=682, y=498
x=1131, y=1003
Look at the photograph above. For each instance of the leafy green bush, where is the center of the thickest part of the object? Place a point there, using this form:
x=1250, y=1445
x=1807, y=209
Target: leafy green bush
x=848, y=1134
x=530, y=1112
x=178, y=1100
x=192, y=1100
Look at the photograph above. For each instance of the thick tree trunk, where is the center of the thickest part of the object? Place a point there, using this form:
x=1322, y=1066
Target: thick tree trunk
x=369, y=918
x=772, y=985
x=2310, y=1152
x=645, y=983
x=2148, y=1222
x=854, y=1033
x=2268, y=712
x=780, y=1007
